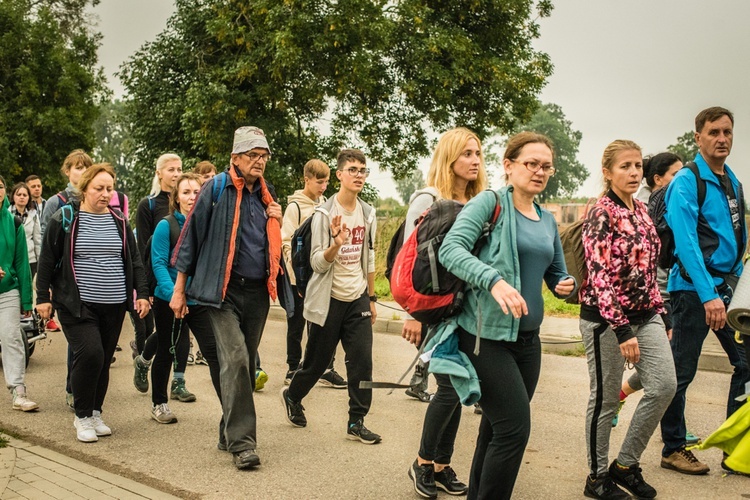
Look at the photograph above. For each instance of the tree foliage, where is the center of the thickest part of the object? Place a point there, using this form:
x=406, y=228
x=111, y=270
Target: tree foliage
x=319, y=75
x=114, y=143
x=49, y=86
x=685, y=147
x=570, y=174
x=407, y=185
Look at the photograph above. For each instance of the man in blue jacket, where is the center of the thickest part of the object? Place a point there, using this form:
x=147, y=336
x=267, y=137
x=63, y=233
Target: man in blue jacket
x=710, y=238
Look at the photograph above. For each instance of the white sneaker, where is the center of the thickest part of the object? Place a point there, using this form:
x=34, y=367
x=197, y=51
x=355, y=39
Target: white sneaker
x=23, y=403
x=86, y=430
x=162, y=414
x=100, y=427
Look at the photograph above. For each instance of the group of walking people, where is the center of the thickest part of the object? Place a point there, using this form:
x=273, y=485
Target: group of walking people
x=212, y=251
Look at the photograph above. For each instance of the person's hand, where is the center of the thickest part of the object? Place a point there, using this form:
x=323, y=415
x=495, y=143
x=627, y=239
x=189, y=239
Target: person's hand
x=716, y=314
x=273, y=210
x=44, y=310
x=509, y=299
x=142, y=307
x=2, y=273
x=412, y=331
x=339, y=231
x=25, y=314
x=630, y=350
x=374, y=313
x=178, y=304
x=669, y=334
x=565, y=287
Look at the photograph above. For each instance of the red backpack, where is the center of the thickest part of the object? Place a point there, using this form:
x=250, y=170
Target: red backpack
x=419, y=283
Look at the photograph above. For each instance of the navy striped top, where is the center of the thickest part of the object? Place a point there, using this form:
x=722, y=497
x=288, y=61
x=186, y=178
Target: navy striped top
x=98, y=259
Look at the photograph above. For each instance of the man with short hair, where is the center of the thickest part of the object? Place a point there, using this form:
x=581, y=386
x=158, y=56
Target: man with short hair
x=35, y=186
x=340, y=298
x=230, y=248
x=710, y=239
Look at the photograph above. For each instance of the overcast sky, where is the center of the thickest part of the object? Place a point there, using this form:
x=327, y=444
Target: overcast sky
x=638, y=70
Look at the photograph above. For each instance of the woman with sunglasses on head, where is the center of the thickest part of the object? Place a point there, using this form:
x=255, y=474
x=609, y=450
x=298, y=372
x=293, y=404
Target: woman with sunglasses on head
x=623, y=320
x=498, y=327
x=23, y=208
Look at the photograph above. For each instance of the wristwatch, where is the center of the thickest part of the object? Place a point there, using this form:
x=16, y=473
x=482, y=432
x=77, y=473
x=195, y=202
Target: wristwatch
x=373, y=298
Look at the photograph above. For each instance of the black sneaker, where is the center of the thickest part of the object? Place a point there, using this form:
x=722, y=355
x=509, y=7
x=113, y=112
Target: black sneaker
x=332, y=379
x=603, y=488
x=423, y=477
x=631, y=479
x=358, y=431
x=447, y=481
x=246, y=459
x=295, y=412
x=419, y=394
x=289, y=376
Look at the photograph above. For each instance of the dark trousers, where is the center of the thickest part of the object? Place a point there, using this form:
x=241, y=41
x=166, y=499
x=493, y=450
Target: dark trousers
x=143, y=327
x=238, y=325
x=174, y=341
x=295, y=327
x=441, y=422
x=508, y=374
x=93, y=338
x=348, y=323
x=689, y=330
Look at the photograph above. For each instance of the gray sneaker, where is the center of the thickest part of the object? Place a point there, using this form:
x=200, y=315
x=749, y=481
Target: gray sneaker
x=162, y=414
x=140, y=377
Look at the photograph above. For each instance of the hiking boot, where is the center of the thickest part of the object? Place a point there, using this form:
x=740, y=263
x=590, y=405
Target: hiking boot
x=616, y=418
x=423, y=477
x=100, y=427
x=246, y=459
x=52, y=326
x=332, y=379
x=199, y=359
x=162, y=414
x=685, y=462
x=140, y=377
x=631, y=479
x=180, y=392
x=603, y=488
x=691, y=439
x=289, y=376
x=358, y=431
x=419, y=394
x=21, y=401
x=69, y=400
x=294, y=411
x=133, y=349
x=447, y=481
x=85, y=429
x=261, y=377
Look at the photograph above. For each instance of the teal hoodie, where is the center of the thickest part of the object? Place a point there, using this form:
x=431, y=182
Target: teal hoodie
x=14, y=258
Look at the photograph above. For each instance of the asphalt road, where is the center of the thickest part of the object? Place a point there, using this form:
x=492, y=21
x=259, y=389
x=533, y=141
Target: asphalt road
x=318, y=461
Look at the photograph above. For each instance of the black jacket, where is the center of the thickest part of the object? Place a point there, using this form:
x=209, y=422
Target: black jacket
x=55, y=267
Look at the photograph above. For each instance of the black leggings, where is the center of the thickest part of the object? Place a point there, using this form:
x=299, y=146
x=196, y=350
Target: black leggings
x=92, y=338
x=198, y=322
x=508, y=374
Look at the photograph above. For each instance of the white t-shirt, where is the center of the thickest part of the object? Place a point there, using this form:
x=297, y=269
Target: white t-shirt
x=348, y=281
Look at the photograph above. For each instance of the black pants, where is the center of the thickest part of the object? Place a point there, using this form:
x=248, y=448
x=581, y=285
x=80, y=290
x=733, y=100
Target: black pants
x=144, y=327
x=508, y=374
x=295, y=327
x=175, y=334
x=349, y=323
x=93, y=338
x=441, y=421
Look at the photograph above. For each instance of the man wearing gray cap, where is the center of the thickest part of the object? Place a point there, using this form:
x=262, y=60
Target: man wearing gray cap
x=228, y=258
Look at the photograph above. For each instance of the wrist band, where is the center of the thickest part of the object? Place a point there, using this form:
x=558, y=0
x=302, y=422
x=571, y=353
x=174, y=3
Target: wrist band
x=337, y=234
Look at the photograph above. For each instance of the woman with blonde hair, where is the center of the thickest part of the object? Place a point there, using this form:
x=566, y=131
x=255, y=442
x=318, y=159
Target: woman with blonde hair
x=623, y=320
x=90, y=270
x=457, y=173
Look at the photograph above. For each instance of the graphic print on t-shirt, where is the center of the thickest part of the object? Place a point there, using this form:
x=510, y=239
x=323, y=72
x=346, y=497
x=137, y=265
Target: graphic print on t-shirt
x=350, y=253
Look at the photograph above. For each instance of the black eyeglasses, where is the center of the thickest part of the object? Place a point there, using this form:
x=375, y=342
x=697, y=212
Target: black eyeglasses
x=533, y=166
x=354, y=171
x=256, y=156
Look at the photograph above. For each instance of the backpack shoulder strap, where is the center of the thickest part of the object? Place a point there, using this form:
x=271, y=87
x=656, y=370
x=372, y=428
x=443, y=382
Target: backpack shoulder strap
x=151, y=203
x=63, y=196
x=299, y=213
x=219, y=183
x=67, y=217
x=700, y=183
x=17, y=221
x=174, y=230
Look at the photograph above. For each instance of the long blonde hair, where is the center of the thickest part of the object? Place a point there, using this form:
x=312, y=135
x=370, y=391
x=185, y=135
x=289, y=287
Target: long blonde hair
x=450, y=146
x=161, y=162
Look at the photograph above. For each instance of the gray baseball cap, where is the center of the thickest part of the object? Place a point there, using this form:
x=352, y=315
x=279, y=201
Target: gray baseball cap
x=247, y=138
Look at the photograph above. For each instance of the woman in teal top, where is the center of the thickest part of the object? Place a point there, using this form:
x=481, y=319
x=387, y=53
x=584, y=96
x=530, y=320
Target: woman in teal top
x=504, y=306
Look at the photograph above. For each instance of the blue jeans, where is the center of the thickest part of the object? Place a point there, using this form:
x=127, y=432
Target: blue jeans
x=689, y=332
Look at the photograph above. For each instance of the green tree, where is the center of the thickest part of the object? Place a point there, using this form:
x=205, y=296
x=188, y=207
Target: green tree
x=407, y=185
x=550, y=120
x=49, y=86
x=319, y=75
x=685, y=147
x=114, y=143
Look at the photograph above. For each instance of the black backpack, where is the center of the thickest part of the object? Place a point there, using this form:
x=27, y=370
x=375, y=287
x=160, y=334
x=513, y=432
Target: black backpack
x=657, y=209
x=397, y=241
x=174, y=235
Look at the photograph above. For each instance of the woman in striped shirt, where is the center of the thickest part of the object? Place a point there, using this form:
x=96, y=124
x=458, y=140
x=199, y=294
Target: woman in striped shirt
x=91, y=263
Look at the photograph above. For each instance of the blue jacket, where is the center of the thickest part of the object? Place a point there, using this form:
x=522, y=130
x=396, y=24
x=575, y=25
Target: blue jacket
x=165, y=274
x=447, y=359
x=716, y=248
